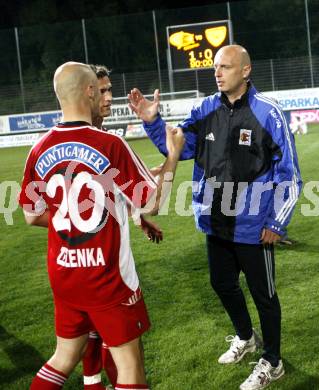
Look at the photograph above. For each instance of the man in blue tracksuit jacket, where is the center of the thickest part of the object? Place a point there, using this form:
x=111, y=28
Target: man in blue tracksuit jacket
x=246, y=184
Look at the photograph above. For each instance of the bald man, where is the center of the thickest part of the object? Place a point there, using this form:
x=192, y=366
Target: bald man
x=247, y=182
x=77, y=182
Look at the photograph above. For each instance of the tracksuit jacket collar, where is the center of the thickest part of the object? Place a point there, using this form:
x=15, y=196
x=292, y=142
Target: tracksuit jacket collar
x=239, y=102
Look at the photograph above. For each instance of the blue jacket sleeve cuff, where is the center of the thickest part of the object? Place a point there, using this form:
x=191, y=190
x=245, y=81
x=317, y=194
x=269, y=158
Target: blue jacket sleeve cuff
x=156, y=121
x=275, y=227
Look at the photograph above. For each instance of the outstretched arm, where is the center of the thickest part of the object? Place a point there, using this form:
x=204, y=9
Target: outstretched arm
x=155, y=127
x=37, y=220
x=174, y=143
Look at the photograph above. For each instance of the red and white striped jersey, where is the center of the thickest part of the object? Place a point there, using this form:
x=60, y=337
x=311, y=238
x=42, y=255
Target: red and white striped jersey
x=85, y=177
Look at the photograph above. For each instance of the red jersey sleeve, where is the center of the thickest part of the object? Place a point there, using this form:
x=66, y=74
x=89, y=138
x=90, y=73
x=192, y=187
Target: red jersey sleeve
x=134, y=179
x=30, y=198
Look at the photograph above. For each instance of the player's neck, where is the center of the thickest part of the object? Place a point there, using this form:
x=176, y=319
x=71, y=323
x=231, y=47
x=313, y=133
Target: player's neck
x=236, y=95
x=97, y=122
x=73, y=114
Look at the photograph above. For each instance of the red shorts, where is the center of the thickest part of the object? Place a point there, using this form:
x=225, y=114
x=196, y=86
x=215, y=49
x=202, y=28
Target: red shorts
x=117, y=325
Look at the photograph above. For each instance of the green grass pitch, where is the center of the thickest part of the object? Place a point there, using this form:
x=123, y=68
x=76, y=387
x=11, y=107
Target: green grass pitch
x=189, y=323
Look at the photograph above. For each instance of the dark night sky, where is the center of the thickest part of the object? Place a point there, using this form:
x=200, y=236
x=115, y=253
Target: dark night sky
x=30, y=12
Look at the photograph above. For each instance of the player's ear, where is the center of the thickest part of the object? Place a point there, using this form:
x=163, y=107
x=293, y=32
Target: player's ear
x=246, y=71
x=90, y=91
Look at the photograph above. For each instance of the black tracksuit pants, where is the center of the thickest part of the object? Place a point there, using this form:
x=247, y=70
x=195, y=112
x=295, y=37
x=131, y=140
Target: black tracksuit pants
x=226, y=260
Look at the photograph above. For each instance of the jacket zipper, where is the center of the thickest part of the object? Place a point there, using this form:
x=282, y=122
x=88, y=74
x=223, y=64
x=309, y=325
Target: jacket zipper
x=227, y=163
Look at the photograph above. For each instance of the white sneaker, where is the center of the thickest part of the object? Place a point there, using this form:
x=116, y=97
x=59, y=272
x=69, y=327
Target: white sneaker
x=238, y=348
x=262, y=376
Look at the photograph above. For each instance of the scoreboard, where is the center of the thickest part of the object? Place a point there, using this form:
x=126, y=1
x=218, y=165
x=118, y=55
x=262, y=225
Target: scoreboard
x=193, y=46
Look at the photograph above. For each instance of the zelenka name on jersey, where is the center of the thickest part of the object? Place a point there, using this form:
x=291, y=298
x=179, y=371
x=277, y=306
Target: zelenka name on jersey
x=88, y=257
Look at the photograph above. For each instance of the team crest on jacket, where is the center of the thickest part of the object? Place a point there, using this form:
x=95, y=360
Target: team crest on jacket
x=245, y=137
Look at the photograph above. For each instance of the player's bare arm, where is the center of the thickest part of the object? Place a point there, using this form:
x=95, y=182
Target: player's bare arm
x=156, y=170
x=174, y=143
x=37, y=220
x=145, y=109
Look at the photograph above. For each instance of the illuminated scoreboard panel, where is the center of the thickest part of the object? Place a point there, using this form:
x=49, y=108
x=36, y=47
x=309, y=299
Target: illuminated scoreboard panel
x=193, y=46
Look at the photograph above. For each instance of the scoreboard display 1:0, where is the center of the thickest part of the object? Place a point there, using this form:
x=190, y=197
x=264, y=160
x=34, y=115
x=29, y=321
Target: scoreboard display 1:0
x=193, y=46
x=204, y=60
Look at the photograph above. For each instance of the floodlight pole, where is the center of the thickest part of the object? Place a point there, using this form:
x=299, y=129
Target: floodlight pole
x=20, y=67
x=157, y=51
x=170, y=72
x=85, y=42
x=230, y=24
x=124, y=84
x=169, y=63
x=309, y=43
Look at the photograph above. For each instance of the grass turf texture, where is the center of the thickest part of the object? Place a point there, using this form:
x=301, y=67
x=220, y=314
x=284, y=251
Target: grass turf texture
x=189, y=323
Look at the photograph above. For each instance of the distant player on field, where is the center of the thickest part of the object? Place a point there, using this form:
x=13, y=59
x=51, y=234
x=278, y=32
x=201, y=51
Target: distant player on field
x=97, y=355
x=77, y=181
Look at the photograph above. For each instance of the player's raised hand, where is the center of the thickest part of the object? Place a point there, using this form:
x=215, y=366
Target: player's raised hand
x=174, y=141
x=144, y=108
